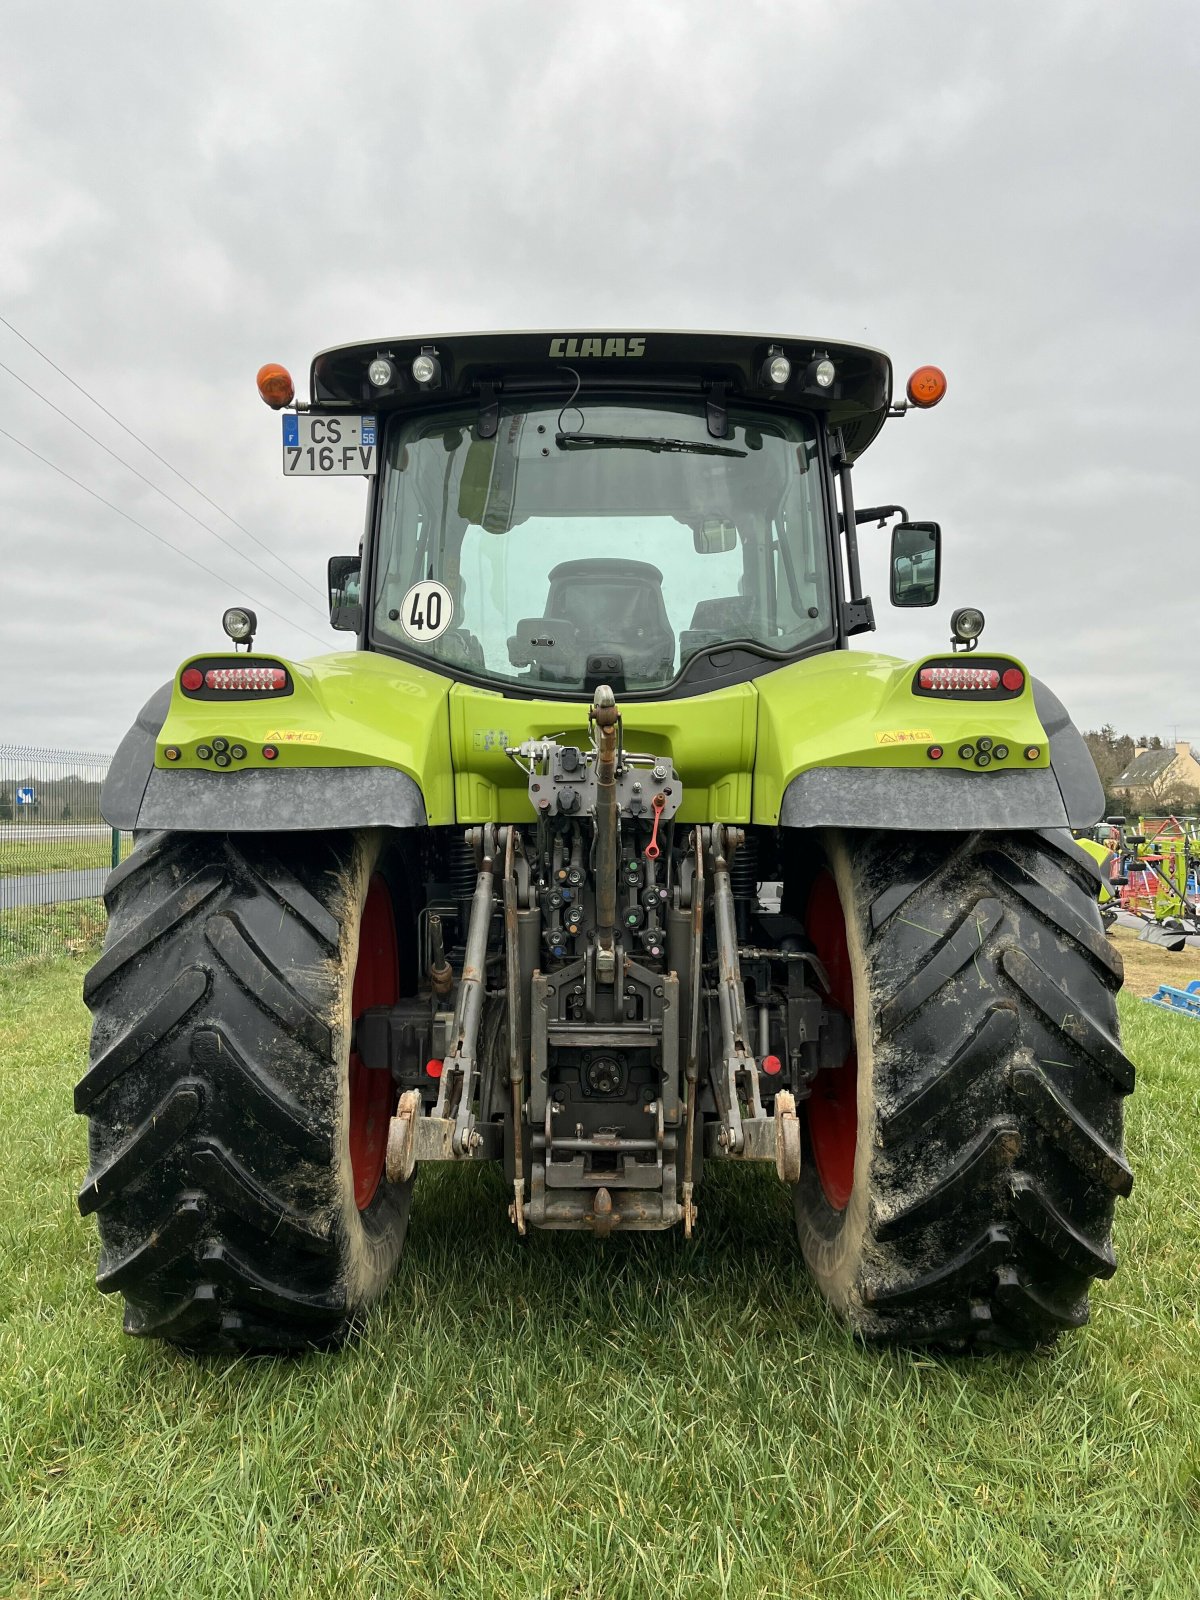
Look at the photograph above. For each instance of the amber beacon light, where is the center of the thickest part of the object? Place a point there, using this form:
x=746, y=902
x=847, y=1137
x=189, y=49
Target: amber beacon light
x=275, y=385
x=925, y=388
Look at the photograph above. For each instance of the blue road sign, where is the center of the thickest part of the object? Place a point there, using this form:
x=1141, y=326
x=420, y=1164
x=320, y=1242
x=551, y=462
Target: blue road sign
x=26, y=796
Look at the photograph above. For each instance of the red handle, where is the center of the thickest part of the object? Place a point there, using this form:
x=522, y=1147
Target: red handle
x=653, y=850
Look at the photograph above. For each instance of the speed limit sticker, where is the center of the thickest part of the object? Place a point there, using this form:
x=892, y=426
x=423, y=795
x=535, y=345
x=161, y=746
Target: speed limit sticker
x=426, y=611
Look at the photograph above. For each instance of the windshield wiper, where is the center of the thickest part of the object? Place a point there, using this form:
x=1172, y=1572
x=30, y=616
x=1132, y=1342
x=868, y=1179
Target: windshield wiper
x=630, y=441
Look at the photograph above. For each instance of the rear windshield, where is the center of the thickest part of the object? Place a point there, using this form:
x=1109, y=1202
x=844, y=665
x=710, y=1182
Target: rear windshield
x=619, y=540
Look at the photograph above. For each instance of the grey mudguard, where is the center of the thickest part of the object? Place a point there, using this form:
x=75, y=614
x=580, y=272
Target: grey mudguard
x=129, y=771
x=1070, y=760
x=298, y=800
x=934, y=801
x=136, y=795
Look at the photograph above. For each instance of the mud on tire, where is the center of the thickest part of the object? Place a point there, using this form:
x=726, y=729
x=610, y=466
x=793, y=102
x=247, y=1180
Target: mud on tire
x=989, y=1092
x=218, y=1092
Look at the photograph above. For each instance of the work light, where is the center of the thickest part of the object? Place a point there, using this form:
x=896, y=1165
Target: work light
x=426, y=368
x=240, y=623
x=967, y=624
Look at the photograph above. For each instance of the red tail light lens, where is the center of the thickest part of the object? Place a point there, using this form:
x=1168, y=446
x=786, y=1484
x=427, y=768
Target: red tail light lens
x=976, y=678
x=960, y=678
x=238, y=677
x=258, y=678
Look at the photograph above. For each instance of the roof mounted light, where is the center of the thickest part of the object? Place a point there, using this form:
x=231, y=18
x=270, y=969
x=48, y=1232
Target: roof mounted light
x=966, y=625
x=426, y=368
x=381, y=374
x=240, y=623
x=776, y=369
x=926, y=387
x=820, y=373
x=275, y=386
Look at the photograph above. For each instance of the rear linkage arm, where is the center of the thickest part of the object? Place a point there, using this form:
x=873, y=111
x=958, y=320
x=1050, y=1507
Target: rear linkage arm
x=449, y=1132
x=756, y=1137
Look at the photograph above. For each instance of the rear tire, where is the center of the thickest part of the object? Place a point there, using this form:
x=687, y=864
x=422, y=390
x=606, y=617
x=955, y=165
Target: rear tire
x=988, y=1092
x=225, y=1144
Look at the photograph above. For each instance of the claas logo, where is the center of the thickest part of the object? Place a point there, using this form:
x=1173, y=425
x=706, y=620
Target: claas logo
x=575, y=348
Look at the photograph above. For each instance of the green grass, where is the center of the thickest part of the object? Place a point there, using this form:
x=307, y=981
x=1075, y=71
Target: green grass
x=29, y=933
x=557, y=1418
x=19, y=856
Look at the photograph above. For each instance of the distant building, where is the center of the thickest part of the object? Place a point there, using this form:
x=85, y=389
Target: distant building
x=1153, y=774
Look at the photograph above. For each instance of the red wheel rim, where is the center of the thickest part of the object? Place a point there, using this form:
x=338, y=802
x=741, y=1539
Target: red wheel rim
x=376, y=983
x=833, y=1107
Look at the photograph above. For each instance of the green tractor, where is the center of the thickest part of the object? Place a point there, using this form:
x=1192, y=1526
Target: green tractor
x=602, y=858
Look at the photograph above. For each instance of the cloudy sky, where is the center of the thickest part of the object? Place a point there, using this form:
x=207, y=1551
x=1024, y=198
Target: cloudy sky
x=186, y=192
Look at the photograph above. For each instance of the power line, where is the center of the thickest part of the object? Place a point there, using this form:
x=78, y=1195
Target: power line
x=62, y=472
x=170, y=468
x=229, y=545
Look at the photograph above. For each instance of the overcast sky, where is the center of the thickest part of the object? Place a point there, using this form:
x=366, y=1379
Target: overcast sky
x=1008, y=191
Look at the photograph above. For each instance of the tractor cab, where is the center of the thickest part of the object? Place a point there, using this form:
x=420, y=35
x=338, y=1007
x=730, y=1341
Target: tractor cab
x=654, y=511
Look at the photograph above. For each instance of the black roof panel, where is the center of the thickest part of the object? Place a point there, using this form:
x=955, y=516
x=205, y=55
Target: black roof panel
x=616, y=359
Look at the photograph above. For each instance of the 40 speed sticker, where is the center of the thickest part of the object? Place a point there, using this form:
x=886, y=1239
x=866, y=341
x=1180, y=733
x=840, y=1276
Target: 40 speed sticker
x=426, y=611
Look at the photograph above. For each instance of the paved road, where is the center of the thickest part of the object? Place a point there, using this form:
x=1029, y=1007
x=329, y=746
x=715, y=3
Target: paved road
x=51, y=888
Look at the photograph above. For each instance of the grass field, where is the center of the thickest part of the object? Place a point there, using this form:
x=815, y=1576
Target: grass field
x=18, y=856
x=560, y=1419
x=29, y=932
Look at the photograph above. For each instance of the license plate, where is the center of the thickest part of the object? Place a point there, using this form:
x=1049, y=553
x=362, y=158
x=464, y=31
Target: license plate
x=328, y=447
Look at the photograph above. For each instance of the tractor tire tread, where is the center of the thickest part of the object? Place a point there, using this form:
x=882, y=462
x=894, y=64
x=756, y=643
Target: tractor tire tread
x=992, y=1159
x=217, y=1174
x=185, y=899
x=147, y=1029
x=171, y=1236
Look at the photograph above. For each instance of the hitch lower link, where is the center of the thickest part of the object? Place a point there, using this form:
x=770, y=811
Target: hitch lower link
x=755, y=1136
x=449, y=1132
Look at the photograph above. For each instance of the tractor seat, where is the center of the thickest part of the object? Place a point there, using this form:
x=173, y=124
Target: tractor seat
x=616, y=605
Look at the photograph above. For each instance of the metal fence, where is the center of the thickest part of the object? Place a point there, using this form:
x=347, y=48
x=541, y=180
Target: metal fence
x=55, y=851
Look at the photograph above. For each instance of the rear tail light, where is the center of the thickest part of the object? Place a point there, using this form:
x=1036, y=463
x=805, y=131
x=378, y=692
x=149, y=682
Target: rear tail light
x=959, y=678
x=992, y=678
x=236, y=678
x=245, y=678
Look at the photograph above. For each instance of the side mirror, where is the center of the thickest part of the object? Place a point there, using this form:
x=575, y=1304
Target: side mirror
x=345, y=598
x=713, y=537
x=916, y=563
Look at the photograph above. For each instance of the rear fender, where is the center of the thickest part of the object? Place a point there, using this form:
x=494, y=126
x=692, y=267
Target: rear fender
x=846, y=744
x=359, y=740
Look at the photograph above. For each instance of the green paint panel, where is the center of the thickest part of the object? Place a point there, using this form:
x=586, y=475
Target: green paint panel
x=710, y=739
x=853, y=708
x=355, y=709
